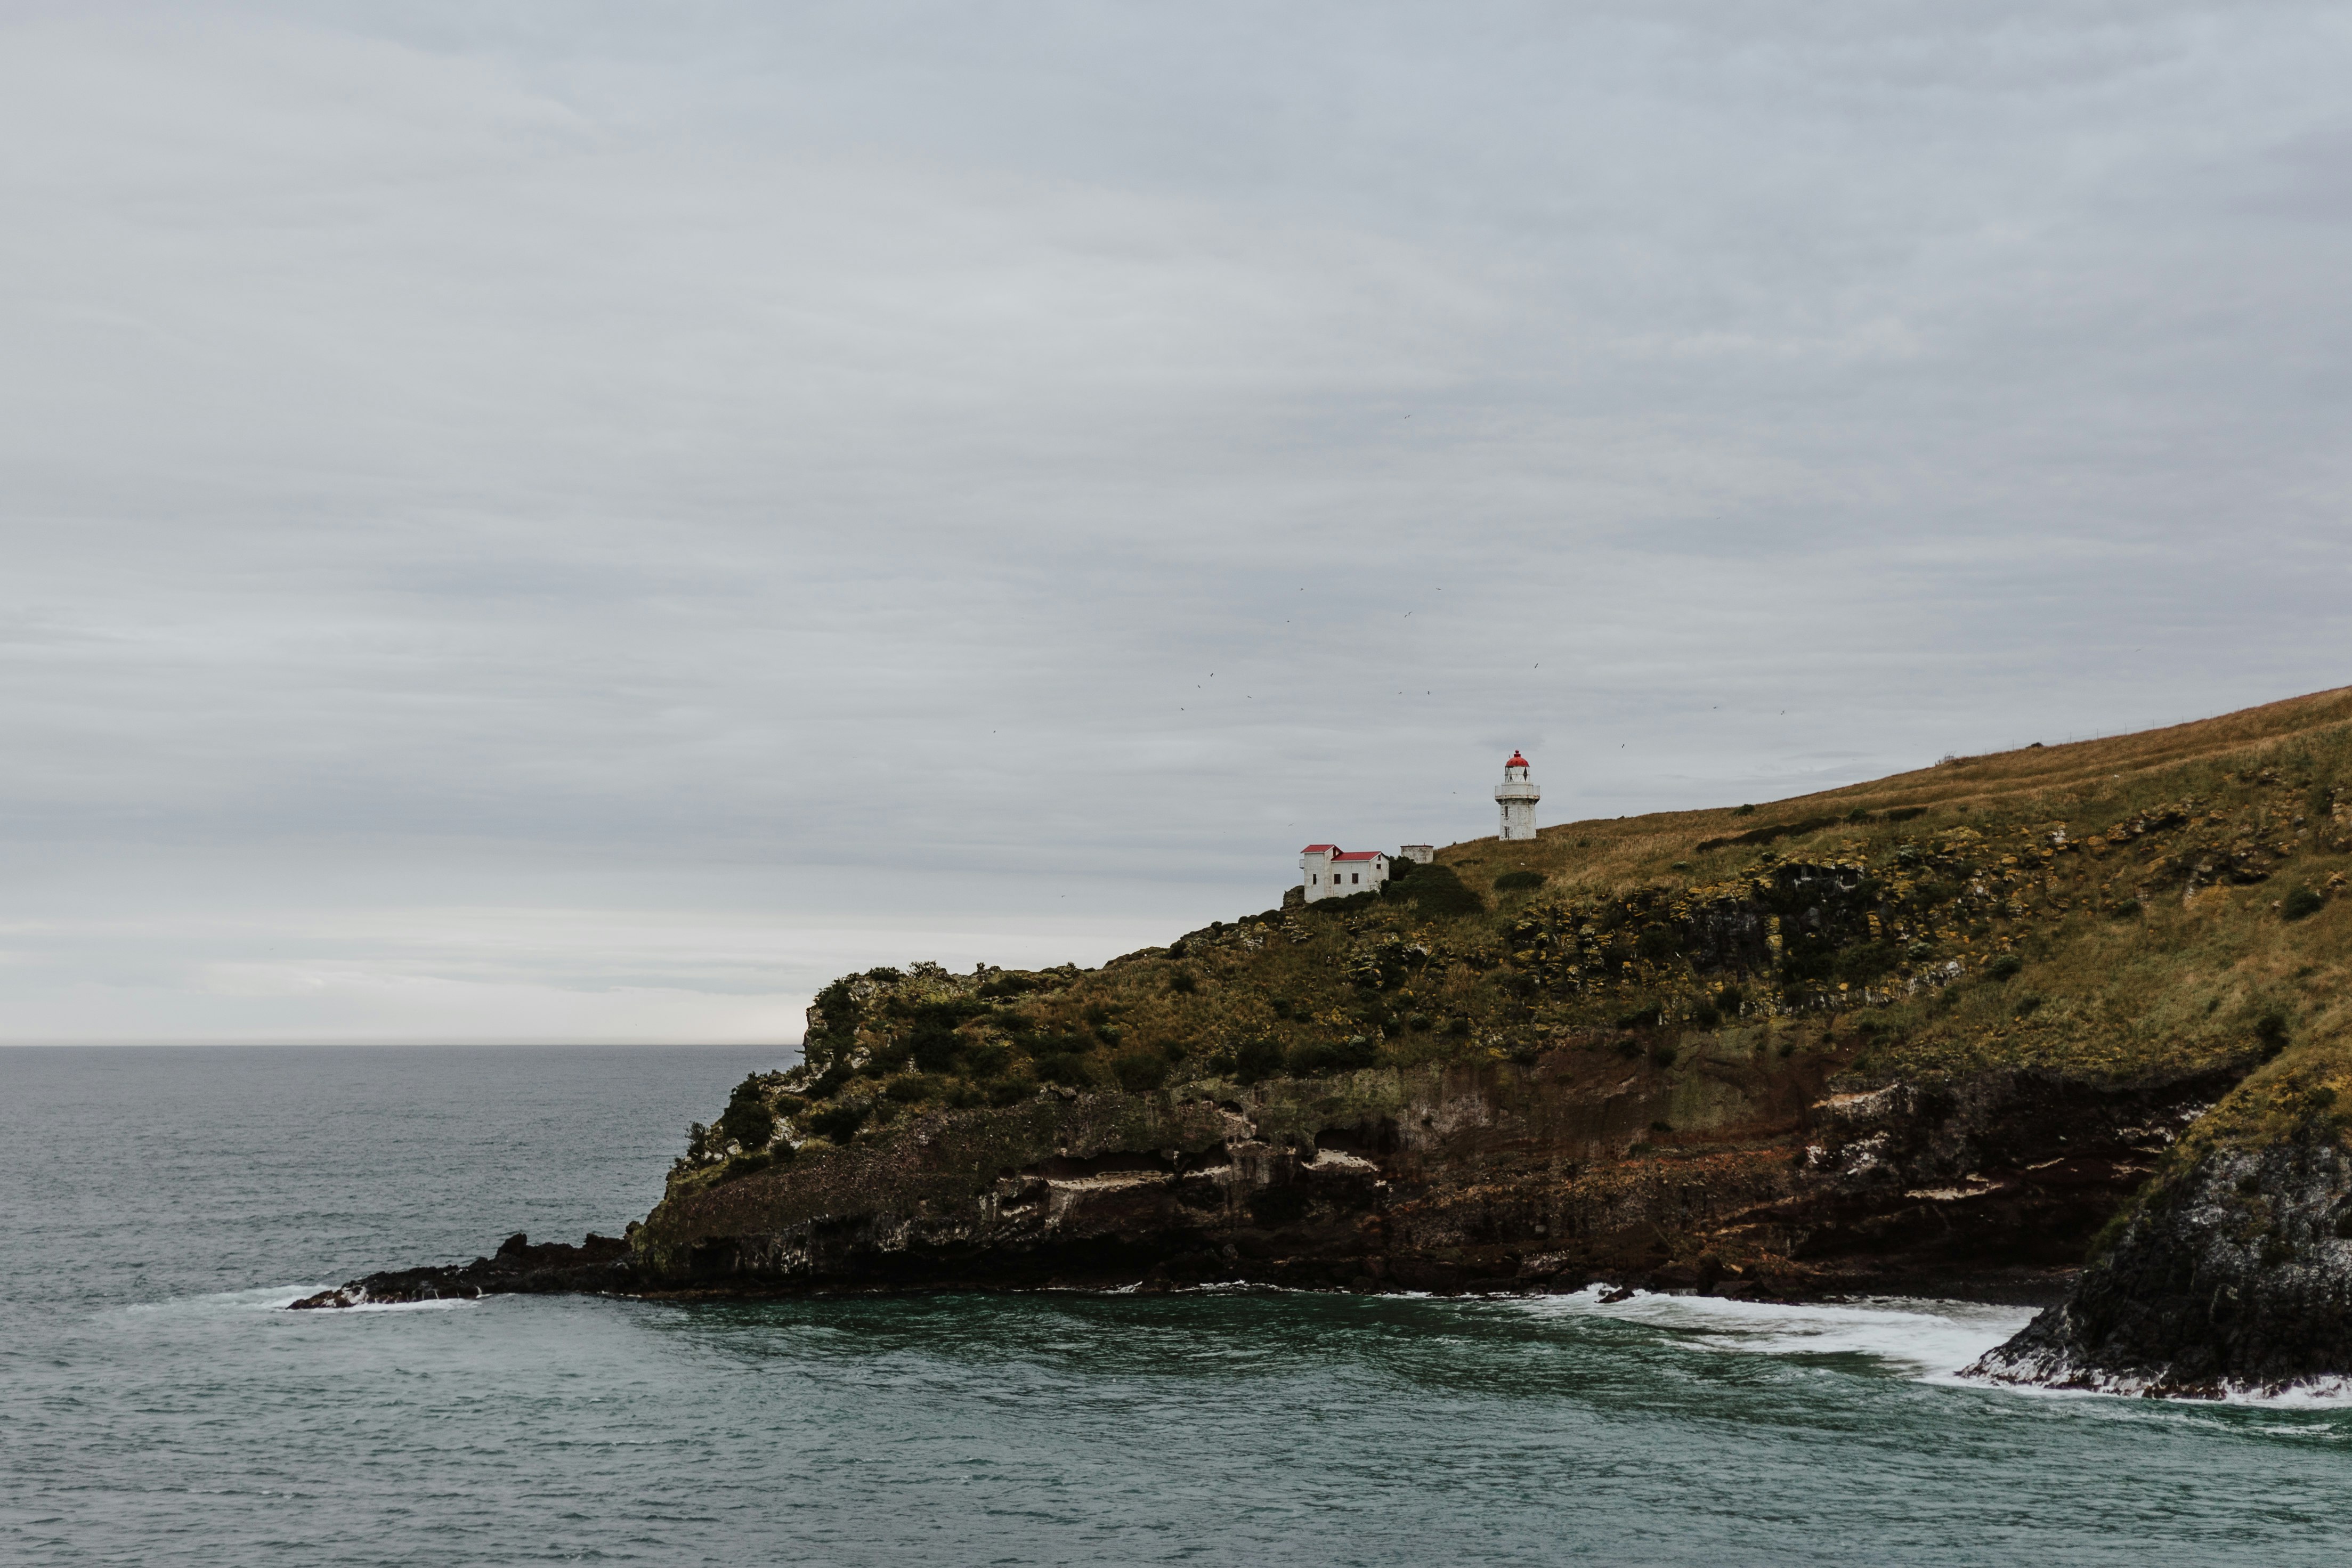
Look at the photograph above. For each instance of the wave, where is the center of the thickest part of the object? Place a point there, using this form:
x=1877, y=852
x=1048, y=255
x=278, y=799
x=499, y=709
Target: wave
x=1930, y=1340
x=438, y=1303
x=275, y=1297
x=2332, y=1393
x=1933, y=1341
x=2323, y=1394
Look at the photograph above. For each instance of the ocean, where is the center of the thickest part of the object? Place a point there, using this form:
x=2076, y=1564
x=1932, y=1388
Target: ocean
x=159, y=1207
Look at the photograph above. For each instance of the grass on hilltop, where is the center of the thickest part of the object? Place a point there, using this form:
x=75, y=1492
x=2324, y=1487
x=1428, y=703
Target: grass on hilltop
x=2143, y=904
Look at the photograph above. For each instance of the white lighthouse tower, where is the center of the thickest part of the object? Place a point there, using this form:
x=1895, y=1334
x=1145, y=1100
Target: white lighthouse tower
x=1518, y=795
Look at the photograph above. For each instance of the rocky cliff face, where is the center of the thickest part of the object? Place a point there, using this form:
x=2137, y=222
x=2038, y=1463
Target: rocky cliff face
x=1496, y=1176
x=2008, y=1175
x=2233, y=1274
x=1744, y=1178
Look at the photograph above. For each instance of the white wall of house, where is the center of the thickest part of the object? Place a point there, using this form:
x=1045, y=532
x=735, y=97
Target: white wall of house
x=1325, y=871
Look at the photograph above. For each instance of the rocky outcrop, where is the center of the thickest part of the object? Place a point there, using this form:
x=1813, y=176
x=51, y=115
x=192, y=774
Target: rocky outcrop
x=1739, y=1178
x=2232, y=1275
x=1490, y=1177
x=1995, y=1184
x=520, y=1266
x=1926, y=1035
x=1735, y=1170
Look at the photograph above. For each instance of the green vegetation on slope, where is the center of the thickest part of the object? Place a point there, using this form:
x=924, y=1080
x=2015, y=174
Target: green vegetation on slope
x=2111, y=909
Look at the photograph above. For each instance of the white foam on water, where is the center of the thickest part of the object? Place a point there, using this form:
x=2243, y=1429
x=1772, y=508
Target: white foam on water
x=1931, y=1340
x=2328, y=1394
x=439, y=1304
x=275, y=1297
x=260, y=1297
x=2129, y=1397
x=1928, y=1339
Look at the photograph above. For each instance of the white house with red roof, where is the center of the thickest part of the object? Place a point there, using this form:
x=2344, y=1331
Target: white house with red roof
x=1326, y=871
x=1330, y=871
x=1518, y=795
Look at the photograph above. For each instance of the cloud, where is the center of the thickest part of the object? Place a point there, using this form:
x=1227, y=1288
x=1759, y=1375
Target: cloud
x=894, y=466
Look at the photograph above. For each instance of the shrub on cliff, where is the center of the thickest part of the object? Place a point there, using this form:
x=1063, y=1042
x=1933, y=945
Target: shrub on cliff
x=1436, y=890
x=931, y=1043
x=1518, y=880
x=836, y=1123
x=1866, y=963
x=1003, y=1091
x=749, y=1121
x=1139, y=1069
x=1258, y=1058
x=1310, y=1058
x=2269, y=1032
x=1010, y=983
x=1064, y=1068
x=744, y=1164
x=2302, y=902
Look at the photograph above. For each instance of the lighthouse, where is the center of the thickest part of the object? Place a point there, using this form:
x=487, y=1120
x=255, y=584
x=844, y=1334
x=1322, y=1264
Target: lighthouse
x=1518, y=795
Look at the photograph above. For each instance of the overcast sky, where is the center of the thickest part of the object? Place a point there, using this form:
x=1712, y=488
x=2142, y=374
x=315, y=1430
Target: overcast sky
x=582, y=522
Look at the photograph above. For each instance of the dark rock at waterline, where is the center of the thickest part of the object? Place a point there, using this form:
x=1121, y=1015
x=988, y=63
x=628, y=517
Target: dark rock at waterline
x=1501, y=1176
x=521, y=1267
x=2235, y=1274
x=1481, y=1177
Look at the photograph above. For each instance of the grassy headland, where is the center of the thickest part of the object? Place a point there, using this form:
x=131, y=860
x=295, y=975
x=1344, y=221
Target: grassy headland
x=2109, y=910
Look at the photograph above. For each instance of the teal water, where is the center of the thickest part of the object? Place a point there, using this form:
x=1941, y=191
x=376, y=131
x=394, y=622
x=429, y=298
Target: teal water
x=158, y=1205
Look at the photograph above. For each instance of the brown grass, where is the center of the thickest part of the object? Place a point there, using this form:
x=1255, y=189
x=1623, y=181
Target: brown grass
x=2136, y=882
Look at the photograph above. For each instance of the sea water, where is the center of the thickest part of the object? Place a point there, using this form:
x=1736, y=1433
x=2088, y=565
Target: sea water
x=159, y=1208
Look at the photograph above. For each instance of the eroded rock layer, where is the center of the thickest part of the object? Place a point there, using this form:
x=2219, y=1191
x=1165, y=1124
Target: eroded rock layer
x=1490, y=1177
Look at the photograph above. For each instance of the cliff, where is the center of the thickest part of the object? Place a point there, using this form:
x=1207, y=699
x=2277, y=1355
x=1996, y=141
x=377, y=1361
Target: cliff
x=2231, y=1271
x=1948, y=1031
x=1474, y=1176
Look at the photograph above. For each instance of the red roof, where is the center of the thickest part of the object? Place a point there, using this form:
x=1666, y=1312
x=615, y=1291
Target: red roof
x=1516, y=761
x=1319, y=849
x=1360, y=855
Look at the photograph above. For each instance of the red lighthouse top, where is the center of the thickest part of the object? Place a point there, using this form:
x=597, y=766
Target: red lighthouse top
x=1516, y=761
